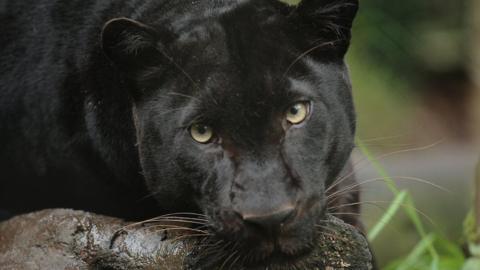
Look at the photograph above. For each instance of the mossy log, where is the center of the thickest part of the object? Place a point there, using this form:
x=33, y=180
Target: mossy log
x=66, y=239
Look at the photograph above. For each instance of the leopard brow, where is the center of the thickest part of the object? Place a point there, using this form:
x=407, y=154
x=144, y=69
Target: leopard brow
x=302, y=88
x=190, y=114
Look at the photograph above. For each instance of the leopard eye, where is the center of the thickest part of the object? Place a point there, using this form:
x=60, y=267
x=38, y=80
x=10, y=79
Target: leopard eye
x=201, y=133
x=297, y=113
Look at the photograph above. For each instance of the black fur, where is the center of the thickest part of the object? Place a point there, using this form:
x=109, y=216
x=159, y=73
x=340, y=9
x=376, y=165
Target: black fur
x=97, y=97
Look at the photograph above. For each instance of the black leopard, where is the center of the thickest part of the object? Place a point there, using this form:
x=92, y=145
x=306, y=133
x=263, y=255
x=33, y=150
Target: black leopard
x=240, y=110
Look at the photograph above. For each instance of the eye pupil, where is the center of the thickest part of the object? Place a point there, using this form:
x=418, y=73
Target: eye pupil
x=294, y=110
x=201, y=133
x=297, y=113
x=202, y=129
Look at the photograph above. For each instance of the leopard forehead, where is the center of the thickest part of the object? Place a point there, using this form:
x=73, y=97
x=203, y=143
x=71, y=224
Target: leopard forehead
x=218, y=9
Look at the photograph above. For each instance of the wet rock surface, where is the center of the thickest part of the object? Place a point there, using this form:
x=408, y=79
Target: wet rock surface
x=66, y=239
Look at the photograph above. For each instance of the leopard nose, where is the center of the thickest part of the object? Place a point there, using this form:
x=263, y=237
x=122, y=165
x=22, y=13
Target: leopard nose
x=270, y=219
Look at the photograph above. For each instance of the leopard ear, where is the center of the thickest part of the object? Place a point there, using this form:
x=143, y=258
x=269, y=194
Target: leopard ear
x=131, y=45
x=331, y=20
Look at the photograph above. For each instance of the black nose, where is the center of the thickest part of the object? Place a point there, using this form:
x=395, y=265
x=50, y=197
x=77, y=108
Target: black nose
x=270, y=219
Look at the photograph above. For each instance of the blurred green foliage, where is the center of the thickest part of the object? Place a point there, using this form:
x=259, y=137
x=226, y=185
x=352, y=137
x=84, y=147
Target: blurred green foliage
x=450, y=256
x=411, y=37
x=396, y=47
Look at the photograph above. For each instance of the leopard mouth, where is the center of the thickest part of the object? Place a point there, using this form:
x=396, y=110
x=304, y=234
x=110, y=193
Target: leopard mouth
x=278, y=257
x=237, y=244
x=250, y=259
x=281, y=250
x=276, y=251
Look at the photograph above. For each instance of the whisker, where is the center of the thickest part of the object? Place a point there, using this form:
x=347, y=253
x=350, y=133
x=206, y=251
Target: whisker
x=235, y=261
x=343, y=178
x=184, y=220
x=406, y=178
x=172, y=222
x=390, y=145
x=416, y=149
x=373, y=203
x=227, y=259
x=382, y=138
x=167, y=112
x=347, y=214
x=178, y=228
x=140, y=223
x=181, y=217
x=184, y=214
x=333, y=199
x=348, y=174
x=224, y=254
x=422, y=181
x=351, y=187
x=216, y=244
x=184, y=72
x=421, y=213
x=209, y=249
x=189, y=236
x=173, y=226
x=306, y=53
x=182, y=95
x=245, y=258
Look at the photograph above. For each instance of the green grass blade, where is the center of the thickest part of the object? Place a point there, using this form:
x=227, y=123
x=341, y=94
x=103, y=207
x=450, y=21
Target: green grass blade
x=387, y=217
x=409, y=206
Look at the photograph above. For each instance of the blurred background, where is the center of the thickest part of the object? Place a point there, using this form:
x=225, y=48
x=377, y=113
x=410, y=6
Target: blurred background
x=415, y=67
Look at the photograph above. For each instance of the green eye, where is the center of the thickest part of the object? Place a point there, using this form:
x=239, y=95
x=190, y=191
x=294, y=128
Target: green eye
x=297, y=113
x=201, y=133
